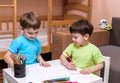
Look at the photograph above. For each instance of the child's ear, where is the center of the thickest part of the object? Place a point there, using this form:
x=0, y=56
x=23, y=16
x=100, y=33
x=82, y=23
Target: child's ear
x=21, y=29
x=86, y=36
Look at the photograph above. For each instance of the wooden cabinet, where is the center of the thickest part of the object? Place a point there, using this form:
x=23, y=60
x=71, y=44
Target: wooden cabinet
x=60, y=40
x=100, y=37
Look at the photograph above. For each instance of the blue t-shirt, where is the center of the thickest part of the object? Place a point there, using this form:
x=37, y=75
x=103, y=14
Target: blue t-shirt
x=28, y=48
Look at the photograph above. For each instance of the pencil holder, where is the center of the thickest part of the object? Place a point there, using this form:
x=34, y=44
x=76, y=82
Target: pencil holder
x=19, y=70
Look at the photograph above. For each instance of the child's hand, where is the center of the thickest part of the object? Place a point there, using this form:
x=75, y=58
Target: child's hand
x=71, y=66
x=85, y=71
x=45, y=64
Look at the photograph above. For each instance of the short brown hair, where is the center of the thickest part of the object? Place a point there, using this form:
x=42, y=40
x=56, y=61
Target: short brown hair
x=82, y=26
x=30, y=20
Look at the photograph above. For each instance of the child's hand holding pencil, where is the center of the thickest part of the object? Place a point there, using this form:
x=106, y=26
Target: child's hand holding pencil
x=69, y=58
x=70, y=64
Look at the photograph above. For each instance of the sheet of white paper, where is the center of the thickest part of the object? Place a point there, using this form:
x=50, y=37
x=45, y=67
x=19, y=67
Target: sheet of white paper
x=52, y=72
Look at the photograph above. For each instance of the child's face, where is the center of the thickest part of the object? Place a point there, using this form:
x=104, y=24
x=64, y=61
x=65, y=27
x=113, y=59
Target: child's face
x=79, y=39
x=30, y=33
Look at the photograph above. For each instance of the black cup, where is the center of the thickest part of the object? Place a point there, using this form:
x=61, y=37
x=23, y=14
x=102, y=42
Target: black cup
x=19, y=70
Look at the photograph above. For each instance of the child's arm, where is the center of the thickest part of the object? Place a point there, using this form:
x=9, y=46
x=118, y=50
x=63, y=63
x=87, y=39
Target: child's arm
x=8, y=59
x=96, y=68
x=66, y=63
x=42, y=62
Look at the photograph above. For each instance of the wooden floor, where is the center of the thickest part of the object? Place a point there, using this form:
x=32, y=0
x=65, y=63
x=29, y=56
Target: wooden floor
x=2, y=65
x=1, y=77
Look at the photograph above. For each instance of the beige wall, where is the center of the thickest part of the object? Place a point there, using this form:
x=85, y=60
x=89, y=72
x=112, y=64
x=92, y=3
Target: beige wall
x=105, y=9
x=101, y=9
x=38, y=6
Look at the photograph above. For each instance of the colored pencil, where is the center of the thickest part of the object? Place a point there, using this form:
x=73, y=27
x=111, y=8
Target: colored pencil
x=70, y=59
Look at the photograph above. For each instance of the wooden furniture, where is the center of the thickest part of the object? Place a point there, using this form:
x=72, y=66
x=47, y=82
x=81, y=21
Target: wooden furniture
x=2, y=53
x=36, y=74
x=58, y=23
x=86, y=9
x=60, y=40
x=12, y=19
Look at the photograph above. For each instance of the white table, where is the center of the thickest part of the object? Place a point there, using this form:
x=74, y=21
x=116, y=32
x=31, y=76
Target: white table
x=36, y=74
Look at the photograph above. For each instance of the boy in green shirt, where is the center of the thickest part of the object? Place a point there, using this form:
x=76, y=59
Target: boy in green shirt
x=84, y=55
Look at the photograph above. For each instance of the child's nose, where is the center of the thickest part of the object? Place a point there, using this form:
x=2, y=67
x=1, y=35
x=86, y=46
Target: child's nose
x=73, y=39
x=33, y=35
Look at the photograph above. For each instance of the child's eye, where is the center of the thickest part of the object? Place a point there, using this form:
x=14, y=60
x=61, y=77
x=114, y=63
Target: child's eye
x=36, y=32
x=75, y=37
x=32, y=33
x=29, y=33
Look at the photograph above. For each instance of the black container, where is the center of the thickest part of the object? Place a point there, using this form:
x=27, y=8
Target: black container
x=19, y=70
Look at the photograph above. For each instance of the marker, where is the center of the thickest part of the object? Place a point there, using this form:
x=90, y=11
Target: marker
x=65, y=82
x=58, y=79
x=62, y=79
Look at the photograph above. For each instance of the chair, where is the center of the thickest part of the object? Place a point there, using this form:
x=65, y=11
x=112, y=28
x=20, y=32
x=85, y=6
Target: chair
x=106, y=69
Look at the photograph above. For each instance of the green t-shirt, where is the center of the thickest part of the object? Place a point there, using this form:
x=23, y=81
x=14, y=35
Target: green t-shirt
x=84, y=56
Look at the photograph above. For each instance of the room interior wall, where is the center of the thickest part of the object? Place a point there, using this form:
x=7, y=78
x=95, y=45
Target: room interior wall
x=105, y=9
x=101, y=9
x=38, y=6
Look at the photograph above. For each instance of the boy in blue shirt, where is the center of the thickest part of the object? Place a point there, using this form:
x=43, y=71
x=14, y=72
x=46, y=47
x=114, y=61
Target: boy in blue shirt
x=27, y=44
